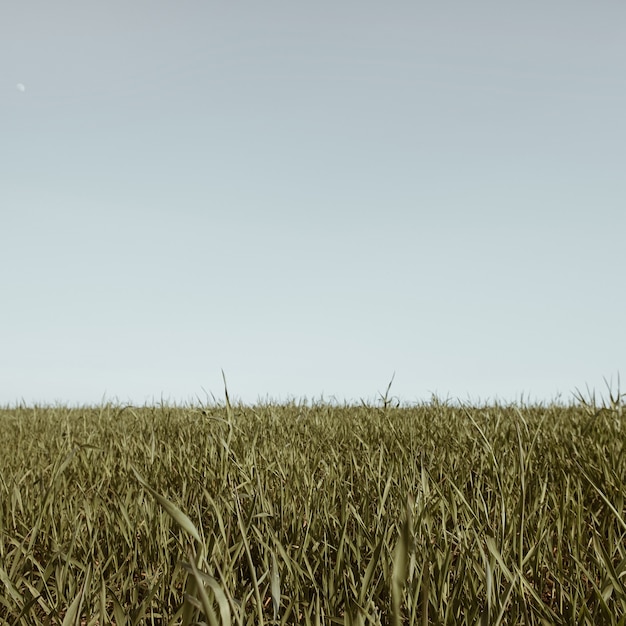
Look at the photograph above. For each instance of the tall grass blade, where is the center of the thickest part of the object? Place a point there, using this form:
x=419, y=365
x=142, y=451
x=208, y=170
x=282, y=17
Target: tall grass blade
x=275, y=587
x=72, y=617
x=401, y=566
x=173, y=511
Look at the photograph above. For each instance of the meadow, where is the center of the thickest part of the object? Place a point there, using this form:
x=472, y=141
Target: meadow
x=313, y=513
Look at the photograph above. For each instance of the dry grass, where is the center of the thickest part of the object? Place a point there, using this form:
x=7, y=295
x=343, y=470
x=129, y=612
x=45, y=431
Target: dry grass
x=323, y=514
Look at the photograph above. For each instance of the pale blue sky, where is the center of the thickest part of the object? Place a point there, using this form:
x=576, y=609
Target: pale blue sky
x=311, y=196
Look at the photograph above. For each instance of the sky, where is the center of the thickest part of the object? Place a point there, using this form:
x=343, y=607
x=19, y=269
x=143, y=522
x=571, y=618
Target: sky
x=312, y=197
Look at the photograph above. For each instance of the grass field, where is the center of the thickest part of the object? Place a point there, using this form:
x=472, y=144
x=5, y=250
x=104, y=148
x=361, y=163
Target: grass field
x=313, y=514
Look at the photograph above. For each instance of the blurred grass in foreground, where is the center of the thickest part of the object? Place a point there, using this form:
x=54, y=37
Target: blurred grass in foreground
x=313, y=514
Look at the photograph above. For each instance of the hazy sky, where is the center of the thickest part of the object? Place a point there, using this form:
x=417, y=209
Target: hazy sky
x=311, y=196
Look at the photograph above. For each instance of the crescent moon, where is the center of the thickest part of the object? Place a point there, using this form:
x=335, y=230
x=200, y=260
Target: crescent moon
x=20, y=87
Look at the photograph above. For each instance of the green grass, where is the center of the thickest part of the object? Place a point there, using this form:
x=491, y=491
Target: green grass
x=322, y=514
